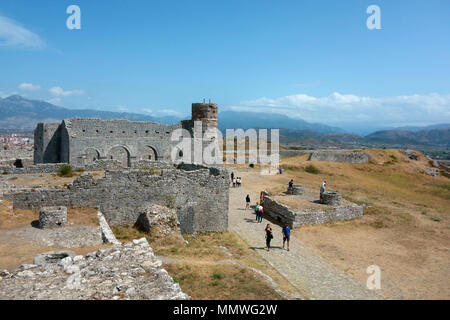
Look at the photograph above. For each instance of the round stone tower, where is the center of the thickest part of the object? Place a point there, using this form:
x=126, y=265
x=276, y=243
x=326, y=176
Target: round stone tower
x=207, y=114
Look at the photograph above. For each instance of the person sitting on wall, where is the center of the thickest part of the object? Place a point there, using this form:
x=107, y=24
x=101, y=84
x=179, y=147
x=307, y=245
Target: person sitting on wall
x=322, y=190
x=291, y=186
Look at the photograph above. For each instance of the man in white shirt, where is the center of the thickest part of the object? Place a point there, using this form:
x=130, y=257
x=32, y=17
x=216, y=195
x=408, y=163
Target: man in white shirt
x=322, y=190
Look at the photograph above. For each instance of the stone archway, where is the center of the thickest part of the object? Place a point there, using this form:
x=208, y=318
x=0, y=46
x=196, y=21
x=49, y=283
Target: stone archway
x=120, y=154
x=148, y=153
x=91, y=155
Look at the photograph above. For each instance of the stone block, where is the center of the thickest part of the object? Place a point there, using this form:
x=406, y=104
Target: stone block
x=332, y=198
x=52, y=217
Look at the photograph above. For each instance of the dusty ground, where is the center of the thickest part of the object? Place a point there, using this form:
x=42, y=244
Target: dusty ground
x=20, y=242
x=45, y=179
x=406, y=232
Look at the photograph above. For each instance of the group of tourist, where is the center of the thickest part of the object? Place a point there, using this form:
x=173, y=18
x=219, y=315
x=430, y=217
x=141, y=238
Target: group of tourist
x=236, y=181
x=259, y=211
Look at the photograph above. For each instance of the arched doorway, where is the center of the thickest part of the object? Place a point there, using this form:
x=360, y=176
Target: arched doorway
x=91, y=155
x=120, y=154
x=148, y=153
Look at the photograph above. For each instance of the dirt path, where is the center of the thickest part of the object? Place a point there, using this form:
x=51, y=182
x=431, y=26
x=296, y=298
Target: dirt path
x=313, y=276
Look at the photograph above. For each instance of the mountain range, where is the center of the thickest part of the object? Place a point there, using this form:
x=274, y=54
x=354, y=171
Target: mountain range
x=17, y=112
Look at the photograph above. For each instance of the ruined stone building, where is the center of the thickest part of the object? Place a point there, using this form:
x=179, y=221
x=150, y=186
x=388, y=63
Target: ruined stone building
x=82, y=141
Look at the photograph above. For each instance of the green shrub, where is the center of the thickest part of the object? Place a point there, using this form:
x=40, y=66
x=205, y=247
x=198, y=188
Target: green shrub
x=65, y=171
x=169, y=201
x=311, y=169
x=218, y=275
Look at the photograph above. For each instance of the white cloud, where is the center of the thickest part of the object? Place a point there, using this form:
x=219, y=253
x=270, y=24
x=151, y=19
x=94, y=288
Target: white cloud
x=122, y=109
x=14, y=35
x=54, y=100
x=163, y=112
x=29, y=87
x=340, y=109
x=59, y=92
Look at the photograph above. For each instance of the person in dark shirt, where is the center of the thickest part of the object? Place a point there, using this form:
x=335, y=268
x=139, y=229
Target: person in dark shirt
x=286, y=235
x=291, y=186
x=269, y=236
x=247, y=202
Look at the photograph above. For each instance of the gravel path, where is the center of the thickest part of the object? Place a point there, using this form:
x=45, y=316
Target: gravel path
x=312, y=275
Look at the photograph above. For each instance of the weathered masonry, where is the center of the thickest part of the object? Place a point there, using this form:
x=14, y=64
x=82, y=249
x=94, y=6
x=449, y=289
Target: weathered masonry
x=198, y=194
x=80, y=142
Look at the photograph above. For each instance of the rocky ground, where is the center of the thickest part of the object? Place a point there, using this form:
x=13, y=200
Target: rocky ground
x=129, y=271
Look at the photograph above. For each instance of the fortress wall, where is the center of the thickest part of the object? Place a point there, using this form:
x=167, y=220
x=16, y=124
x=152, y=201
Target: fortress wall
x=293, y=153
x=200, y=197
x=283, y=214
x=98, y=165
x=351, y=157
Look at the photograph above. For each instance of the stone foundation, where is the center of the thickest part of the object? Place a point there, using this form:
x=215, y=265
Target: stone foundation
x=345, y=156
x=332, y=198
x=283, y=214
x=52, y=217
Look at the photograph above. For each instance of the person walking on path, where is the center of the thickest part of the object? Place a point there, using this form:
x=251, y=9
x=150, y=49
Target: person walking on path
x=234, y=182
x=322, y=190
x=232, y=176
x=286, y=235
x=247, y=202
x=260, y=213
x=257, y=211
x=269, y=236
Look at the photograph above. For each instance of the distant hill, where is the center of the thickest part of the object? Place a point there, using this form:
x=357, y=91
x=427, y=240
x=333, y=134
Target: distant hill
x=17, y=112
x=245, y=120
x=434, y=126
x=433, y=137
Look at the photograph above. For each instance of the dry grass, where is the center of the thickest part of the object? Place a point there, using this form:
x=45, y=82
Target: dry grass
x=406, y=232
x=11, y=219
x=204, y=271
x=47, y=179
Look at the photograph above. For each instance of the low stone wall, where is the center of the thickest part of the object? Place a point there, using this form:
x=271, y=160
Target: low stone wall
x=351, y=157
x=16, y=154
x=39, y=168
x=293, y=153
x=200, y=197
x=98, y=165
x=283, y=214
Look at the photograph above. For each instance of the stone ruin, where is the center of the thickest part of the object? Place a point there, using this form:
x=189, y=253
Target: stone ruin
x=125, y=272
x=158, y=220
x=318, y=214
x=52, y=217
x=332, y=198
x=198, y=194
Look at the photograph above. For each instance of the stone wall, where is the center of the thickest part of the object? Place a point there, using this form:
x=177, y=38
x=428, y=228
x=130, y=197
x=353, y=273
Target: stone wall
x=199, y=196
x=345, y=156
x=98, y=165
x=283, y=214
x=13, y=154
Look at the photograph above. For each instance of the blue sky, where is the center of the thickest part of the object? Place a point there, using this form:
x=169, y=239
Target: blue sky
x=314, y=60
